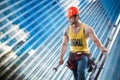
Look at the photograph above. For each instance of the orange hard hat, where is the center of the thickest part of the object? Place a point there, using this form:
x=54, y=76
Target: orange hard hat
x=72, y=11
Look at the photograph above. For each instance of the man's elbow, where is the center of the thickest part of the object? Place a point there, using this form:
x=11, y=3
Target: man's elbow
x=64, y=44
x=95, y=41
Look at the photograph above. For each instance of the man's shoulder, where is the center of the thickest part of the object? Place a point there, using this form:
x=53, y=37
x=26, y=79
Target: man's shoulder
x=67, y=28
x=65, y=31
x=87, y=27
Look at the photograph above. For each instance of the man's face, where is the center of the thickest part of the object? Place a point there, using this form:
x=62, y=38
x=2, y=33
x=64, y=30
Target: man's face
x=73, y=19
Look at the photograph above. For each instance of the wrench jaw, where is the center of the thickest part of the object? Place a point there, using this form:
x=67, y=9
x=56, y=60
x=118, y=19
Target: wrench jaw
x=55, y=69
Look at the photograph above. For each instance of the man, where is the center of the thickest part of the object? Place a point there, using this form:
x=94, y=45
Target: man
x=78, y=33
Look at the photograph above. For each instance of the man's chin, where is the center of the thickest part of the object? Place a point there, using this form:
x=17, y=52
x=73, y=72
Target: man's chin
x=73, y=25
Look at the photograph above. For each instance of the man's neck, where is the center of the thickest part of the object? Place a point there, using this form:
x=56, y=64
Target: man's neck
x=78, y=24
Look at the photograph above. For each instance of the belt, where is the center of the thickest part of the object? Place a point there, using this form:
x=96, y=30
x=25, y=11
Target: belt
x=80, y=52
x=79, y=55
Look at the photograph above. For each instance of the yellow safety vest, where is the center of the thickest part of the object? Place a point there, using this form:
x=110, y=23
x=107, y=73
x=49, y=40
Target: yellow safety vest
x=78, y=42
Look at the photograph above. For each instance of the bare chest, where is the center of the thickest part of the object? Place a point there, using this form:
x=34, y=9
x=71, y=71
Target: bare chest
x=76, y=30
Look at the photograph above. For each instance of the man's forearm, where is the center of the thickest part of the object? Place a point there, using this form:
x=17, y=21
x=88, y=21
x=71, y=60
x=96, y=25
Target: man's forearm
x=63, y=50
x=98, y=44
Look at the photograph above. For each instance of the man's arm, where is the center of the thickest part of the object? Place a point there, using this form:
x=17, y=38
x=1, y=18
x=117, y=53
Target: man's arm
x=63, y=48
x=94, y=38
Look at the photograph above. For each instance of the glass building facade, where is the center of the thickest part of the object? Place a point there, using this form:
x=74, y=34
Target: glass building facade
x=31, y=35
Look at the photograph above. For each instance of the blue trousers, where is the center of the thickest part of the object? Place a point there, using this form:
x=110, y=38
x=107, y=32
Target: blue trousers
x=82, y=64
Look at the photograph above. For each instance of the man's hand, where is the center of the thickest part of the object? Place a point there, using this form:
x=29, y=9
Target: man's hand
x=61, y=61
x=104, y=50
